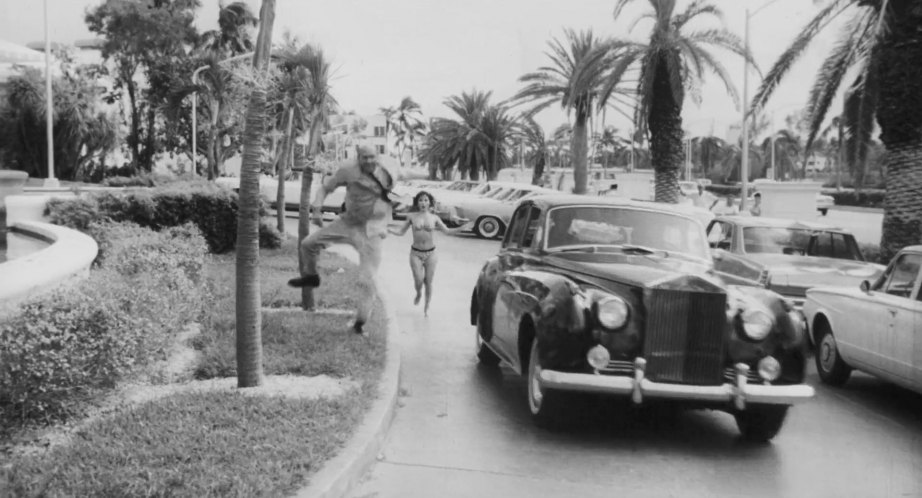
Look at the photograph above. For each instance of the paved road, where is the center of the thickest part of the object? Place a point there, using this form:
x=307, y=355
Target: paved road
x=463, y=432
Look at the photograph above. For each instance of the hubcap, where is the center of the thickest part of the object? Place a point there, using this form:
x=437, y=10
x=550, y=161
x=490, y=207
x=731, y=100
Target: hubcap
x=488, y=227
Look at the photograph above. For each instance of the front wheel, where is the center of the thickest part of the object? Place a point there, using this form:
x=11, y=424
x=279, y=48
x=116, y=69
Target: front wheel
x=760, y=423
x=546, y=405
x=488, y=227
x=830, y=366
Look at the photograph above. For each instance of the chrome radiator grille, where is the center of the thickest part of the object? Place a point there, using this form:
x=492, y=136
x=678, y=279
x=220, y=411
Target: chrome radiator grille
x=684, y=336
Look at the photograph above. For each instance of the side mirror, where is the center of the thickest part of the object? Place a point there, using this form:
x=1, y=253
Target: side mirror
x=865, y=286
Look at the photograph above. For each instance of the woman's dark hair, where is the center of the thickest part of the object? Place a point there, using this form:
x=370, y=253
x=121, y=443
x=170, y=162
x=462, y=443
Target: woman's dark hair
x=419, y=195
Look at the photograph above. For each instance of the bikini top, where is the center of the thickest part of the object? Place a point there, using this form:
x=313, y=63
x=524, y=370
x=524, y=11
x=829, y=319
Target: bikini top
x=423, y=224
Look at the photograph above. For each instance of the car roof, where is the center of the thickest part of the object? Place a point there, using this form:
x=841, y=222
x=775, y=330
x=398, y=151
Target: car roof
x=768, y=222
x=557, y=200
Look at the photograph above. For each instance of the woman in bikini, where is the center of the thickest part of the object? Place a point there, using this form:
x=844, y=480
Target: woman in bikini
x=422, y=253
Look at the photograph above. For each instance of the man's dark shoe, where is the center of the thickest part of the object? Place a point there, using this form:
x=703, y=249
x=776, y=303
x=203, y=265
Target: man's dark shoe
x=305, y=281
x=357, y=327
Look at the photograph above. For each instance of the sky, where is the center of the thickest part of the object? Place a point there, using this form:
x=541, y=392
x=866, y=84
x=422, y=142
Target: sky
x=384, y=50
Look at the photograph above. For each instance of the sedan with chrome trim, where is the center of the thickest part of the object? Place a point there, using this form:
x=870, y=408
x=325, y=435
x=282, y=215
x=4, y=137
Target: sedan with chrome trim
x=619, y=298
x=787, y=256
x=875, y=326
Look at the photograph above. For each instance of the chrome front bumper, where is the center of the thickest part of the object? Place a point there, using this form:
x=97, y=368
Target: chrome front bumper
x=638, y=387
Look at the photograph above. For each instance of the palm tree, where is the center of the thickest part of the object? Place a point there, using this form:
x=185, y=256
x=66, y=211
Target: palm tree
x=709, y=151
x=881, y=45
x=407, y=123
x=319, y=105
x=293, y=63
x=232, y=36
x=573, y=79
x=461, y=141
x=536, y=146
x=249, y=317
x=673, y=61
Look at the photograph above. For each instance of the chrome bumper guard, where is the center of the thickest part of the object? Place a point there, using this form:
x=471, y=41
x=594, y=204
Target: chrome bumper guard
x=639, y=388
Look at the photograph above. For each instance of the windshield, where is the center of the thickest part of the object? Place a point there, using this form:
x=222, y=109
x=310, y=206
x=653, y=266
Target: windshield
x=497, y=193
x=620, y=226
x=800, y=241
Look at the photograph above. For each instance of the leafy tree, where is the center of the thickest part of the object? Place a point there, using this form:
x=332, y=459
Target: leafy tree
x=249, y=320
x=536, y=147
x=573, y=79
x=144, y=39
x=878, y=56
x=708, y=151
x=82, y=132
x=673, y=61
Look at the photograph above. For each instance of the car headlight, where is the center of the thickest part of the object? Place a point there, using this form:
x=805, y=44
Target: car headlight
x=757, y=323
x=611, y=312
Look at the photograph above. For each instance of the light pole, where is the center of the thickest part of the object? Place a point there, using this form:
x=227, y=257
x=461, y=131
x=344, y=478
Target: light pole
x=195, y=101
x=51, y=181
x=744, y=164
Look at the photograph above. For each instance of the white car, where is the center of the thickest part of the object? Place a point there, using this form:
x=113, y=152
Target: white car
x=874, y=327
x=488, y=215
x=824, y=202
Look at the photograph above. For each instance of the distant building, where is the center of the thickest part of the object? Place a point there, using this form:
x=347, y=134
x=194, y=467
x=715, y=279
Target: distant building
x=818, y=163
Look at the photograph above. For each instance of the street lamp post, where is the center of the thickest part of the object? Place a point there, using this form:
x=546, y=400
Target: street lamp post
x=744, y=164
x=51, y=181
x=195, y=102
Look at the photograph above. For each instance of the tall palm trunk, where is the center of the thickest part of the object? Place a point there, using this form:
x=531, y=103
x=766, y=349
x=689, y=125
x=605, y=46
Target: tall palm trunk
x=900, y=117
x=281, y=173
x=249, y=316
x=665, y=138
x=579, y=143
x=304, y=206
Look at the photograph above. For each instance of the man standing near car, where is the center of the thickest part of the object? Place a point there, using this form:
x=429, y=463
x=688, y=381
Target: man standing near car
x=363, y=225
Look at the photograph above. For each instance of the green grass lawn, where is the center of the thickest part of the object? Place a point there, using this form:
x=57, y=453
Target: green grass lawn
x=227, y=443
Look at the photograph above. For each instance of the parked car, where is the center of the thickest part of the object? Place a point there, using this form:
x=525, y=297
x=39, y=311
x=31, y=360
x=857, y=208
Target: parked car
x=824, y=202
x=786, y=256
x=873, y=327
x=333, y=203
x=488, y=215
x=617, y=297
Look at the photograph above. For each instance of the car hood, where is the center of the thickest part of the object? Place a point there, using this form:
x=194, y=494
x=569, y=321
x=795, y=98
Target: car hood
x=637, y=270
x=795, y=274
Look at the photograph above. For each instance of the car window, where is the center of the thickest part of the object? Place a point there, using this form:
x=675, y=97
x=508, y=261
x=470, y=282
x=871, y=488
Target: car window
x=616, y=226
x=516, y=228
x=531, y=230
x=902, y=275
x=833, y=245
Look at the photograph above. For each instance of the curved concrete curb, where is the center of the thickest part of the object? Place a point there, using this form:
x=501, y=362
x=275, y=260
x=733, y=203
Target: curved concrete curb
x=70, y=255
x=338, y=476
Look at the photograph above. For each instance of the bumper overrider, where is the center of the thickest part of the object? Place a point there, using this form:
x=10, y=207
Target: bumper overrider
x=639, y=388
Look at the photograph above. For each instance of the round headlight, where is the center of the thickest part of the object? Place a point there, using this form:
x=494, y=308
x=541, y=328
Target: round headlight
x=769, y=368
x=598, y=357
x=611, y=312
x=757, y=323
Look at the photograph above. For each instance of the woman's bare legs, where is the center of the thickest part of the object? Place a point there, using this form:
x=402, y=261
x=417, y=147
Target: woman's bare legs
x=429, y=276
x=417, y=266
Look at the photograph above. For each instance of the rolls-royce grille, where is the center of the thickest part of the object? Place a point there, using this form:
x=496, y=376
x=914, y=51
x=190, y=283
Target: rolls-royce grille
x=684, y=336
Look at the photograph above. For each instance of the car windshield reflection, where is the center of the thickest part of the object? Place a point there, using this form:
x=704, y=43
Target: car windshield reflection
x=571, y=228
x=800, y=241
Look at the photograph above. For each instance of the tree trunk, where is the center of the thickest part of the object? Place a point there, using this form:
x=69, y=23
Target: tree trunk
x=281, y=173
x=304, y=204
x=665, y=138
x=579, y=143
x=134, y=139
x=249, y=315
x=899, y=115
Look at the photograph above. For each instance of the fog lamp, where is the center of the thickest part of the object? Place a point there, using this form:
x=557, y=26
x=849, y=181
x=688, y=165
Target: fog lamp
x=598, y=357
x=769, y=368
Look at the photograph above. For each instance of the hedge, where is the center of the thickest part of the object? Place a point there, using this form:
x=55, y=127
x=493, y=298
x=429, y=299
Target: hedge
x=211, y=208
x=57, y=350
x=871, y=198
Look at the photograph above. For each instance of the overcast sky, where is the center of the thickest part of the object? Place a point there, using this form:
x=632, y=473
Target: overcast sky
x=384, y=50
